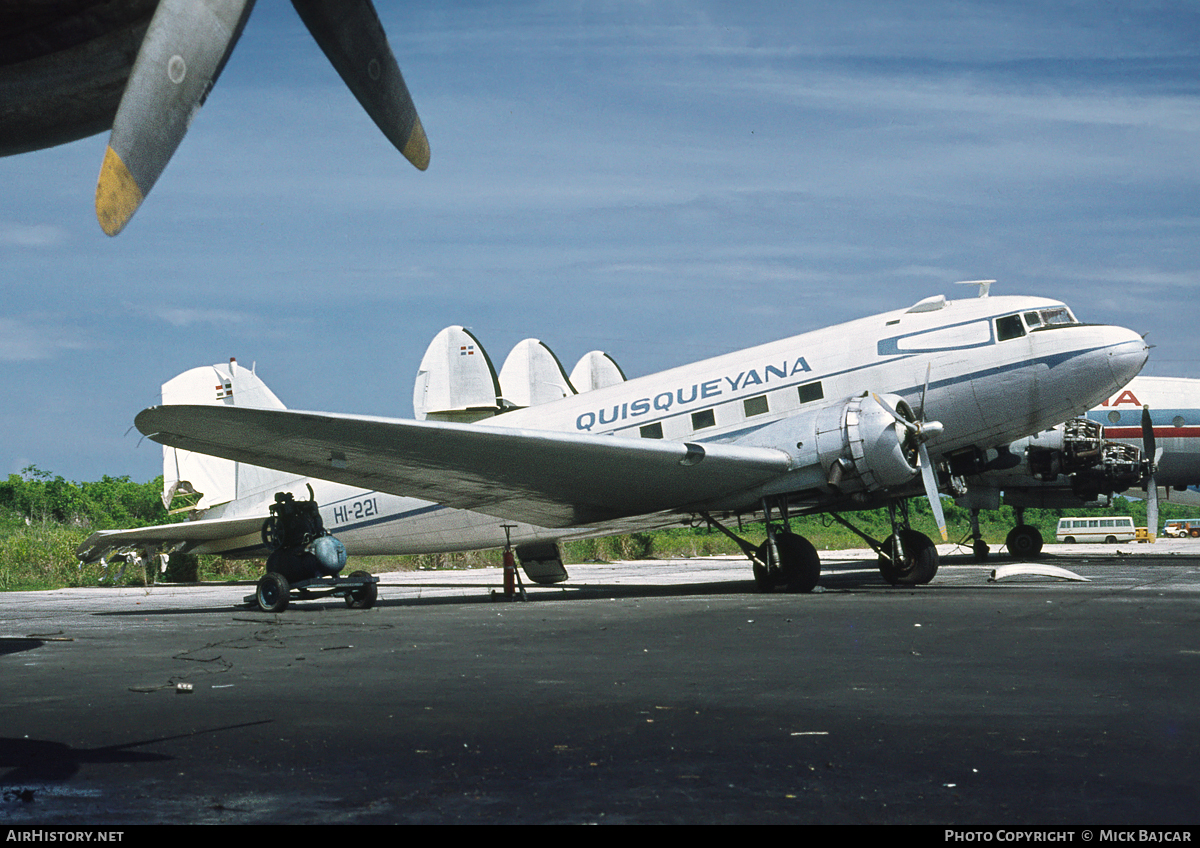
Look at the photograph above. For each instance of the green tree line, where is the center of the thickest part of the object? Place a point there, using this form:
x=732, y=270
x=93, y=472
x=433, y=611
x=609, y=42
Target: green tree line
x=43, y=518
x=39, y=497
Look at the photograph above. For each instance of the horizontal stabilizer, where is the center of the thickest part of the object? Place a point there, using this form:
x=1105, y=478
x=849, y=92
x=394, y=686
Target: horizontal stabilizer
x=532, y=375
x=596, y=370
x=185, y=534
x=456, y=380
x=547, y=478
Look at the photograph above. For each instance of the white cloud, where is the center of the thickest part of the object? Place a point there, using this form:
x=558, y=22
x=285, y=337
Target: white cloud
x=31, y=235
x=25, y=340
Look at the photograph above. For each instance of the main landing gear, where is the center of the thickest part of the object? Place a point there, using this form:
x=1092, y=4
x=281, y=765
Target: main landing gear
x=908, y=557
x=785, y=560
x=788, y=560
x=1024, y=541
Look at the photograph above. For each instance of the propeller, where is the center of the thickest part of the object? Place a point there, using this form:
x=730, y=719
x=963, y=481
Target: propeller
x=354, y=41
x=1151, y=455
x=923, y=430
x=181, y=56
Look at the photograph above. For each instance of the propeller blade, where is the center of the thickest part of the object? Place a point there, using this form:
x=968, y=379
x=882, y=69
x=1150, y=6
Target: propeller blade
x=352, y=37
x=181, y=56
x=1148, y=440
x=1151, y=455
x=929, y=478
x=924, y=390
x=887, y=407
x=1151, y=507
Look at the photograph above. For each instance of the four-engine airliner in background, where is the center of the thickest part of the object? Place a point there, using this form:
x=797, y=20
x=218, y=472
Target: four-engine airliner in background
x=74, y=68
x=1144, y=439
x=855, y=416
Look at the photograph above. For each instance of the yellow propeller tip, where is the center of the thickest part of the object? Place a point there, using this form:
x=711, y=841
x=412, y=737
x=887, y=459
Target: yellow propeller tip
x=416, y=149
x=117, y=194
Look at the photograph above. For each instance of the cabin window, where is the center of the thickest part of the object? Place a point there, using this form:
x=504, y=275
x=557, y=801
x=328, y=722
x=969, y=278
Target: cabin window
x=1033, y=320
x=756, y=405
x=810, y=392
x=703, y=418
x=651, y=431
x=1009, y=327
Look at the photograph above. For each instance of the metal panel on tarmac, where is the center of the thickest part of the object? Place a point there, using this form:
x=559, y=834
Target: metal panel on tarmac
x=648, y=692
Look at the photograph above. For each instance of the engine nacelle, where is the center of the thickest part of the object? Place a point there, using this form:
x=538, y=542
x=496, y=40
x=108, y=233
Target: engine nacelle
x=863, y=448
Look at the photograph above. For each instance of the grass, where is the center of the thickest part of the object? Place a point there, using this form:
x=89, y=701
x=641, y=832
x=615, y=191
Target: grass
x=42, y=555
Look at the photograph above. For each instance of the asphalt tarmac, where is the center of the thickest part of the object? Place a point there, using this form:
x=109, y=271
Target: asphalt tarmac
x=646, y=692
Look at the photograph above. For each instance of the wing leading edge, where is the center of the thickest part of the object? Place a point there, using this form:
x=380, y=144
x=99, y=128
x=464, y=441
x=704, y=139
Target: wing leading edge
x=547, y=478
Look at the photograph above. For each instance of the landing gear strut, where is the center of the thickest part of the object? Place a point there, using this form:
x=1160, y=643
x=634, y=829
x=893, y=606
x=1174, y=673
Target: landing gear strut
x=785, y=559
x=908, y=557
x=978, y=546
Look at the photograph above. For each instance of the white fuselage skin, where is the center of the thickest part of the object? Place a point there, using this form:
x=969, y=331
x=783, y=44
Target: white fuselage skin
x=985, y=391
x=1175, y=417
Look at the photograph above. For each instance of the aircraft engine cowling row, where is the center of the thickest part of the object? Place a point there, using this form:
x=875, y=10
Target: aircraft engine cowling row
x=863, y=448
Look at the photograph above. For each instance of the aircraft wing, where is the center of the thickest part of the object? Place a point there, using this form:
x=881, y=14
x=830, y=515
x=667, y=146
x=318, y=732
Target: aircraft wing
x=102, y=542
x=548, y=478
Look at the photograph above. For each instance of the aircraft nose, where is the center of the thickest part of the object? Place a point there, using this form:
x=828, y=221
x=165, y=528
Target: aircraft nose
x=1127, y=355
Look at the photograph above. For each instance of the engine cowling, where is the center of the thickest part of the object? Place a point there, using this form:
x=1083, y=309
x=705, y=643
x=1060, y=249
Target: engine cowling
x=863, y=448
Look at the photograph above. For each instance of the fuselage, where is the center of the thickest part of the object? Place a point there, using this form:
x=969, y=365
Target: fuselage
x=991, y=370
x=1175, y=417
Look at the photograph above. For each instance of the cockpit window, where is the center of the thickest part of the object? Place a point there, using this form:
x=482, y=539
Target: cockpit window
x=1057, y=316
x=1009, y=327
x=1049, y=318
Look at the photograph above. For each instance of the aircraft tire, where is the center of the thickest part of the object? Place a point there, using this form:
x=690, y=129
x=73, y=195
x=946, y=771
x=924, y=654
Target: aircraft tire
x=364, y=597
x=272, y=592
x=800, y=563
x=1025, y=542
x=920, y=563
x=764, y=579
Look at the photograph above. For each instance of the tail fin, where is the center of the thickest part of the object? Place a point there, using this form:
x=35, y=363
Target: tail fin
x=596, y=370
x=456, y=380
x=216, y=481
x=532, y=374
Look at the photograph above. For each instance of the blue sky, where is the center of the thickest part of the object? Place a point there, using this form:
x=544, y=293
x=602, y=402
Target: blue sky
x=663, y=181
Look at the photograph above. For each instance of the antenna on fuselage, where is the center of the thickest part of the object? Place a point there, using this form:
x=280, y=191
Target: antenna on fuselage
x=984, y=285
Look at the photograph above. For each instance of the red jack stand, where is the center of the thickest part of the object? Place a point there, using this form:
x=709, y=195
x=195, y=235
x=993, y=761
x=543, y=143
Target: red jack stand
x=510, y=573
x=511, y=577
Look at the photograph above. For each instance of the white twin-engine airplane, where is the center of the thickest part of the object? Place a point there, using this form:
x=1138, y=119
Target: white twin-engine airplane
x=851, y=417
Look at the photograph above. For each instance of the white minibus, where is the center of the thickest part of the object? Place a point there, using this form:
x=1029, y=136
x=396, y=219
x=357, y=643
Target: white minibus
x=1119, y=528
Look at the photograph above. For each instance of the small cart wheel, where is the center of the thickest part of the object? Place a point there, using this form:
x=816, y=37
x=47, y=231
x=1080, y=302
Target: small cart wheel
x=364, y=596
x=272, y=592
